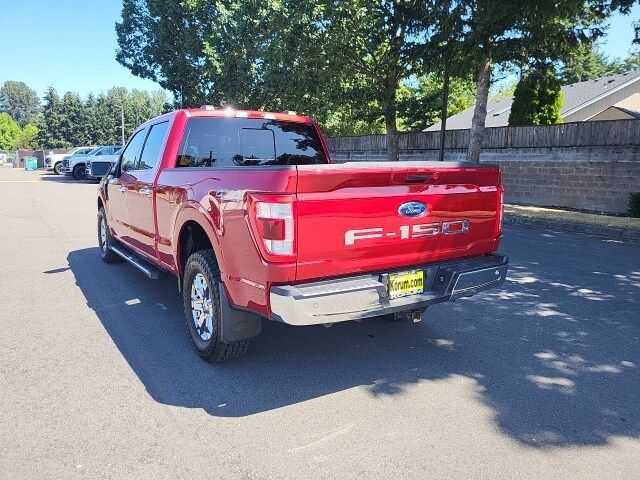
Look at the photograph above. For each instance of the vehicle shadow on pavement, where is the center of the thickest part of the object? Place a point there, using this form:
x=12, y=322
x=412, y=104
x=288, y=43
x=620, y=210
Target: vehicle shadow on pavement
x=558, y=362
x=52, y=177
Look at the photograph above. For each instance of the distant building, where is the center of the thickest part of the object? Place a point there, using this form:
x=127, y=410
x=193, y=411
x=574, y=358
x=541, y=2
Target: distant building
x=608, y=98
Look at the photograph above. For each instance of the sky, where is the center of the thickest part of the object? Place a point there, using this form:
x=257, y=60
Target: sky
x=71, y=44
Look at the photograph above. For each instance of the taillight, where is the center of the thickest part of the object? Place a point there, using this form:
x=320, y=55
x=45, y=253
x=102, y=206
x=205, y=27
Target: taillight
x=272, y=222
x=275, y=226
x=500, y=207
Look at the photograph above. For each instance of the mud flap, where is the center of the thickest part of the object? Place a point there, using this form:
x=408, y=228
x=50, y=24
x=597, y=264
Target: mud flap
x=235, y=324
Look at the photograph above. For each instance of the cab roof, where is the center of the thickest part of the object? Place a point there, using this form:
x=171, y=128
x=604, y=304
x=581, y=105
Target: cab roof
x=209, y=111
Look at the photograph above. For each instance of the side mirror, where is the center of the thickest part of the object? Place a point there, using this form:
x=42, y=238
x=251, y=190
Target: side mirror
x=115, y=168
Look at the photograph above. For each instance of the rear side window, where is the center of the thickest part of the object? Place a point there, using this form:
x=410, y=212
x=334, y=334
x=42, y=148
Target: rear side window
x=153, y=146
x=232, y=142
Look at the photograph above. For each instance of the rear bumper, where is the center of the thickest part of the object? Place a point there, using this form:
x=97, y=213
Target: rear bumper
x=364, y=296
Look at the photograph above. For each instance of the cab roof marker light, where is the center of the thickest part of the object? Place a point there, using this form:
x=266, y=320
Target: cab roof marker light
x=208, y=107
x=269, y=116
x=242, y=114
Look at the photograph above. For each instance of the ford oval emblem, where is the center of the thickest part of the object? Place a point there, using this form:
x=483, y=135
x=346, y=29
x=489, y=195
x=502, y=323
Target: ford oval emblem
x=412, y=209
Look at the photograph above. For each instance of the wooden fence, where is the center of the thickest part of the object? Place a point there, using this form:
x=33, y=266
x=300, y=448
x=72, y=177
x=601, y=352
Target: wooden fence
x=579, y=134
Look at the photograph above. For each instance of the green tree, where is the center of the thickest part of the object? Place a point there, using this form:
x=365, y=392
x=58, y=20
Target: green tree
x=28, y=137
x=379, y=42
x=9, y=132
x=420, y=100
x=587, y=62
x=20, y=102
x=162, y=40
x=50, y=132
x=75, y=126
x=632, y=62
x=337, y=61
x=537, y=99
x=522, y=33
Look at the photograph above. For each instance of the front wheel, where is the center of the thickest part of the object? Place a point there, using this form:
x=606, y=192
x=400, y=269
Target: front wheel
x=105, y=240
x=57, y=168
x=80, y=172
x=201, y=297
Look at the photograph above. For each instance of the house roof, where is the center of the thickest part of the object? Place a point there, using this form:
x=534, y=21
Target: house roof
x=576, y=97
x=630, y=105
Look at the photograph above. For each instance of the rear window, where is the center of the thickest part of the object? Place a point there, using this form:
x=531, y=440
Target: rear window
x=232, y=142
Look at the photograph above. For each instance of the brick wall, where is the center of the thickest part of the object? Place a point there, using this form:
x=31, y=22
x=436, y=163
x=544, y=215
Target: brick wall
x=587, y=178
x=598, y=186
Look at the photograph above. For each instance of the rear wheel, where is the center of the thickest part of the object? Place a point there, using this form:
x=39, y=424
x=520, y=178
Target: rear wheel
x=80, y=172
x=57, y=168
x=105, y=240
x=201, y=297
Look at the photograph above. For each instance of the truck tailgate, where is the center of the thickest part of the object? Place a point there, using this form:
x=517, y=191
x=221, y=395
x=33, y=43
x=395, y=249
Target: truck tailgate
x=366, y=217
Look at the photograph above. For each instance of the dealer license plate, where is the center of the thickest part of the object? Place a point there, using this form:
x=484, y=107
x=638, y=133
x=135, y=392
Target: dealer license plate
x=406, y=283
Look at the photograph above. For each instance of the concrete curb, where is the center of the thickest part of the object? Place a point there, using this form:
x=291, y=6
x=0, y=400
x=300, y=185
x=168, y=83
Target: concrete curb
x=568, y=226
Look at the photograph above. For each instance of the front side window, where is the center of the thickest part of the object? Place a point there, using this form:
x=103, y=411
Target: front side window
x=131, y=151
x=231, y=142
x=153, y=146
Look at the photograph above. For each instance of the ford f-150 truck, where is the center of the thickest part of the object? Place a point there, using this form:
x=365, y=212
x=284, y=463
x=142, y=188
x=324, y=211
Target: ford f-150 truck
x=247, y=211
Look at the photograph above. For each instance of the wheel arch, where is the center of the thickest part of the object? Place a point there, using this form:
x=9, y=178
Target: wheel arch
x=194, y=232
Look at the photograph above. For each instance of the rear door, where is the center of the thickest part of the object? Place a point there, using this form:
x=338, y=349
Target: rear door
x=374, y=217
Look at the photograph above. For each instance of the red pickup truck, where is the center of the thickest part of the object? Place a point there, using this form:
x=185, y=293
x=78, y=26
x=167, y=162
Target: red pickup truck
x=247, y=211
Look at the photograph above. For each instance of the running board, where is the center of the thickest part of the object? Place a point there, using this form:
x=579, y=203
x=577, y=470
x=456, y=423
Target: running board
x=145, y=267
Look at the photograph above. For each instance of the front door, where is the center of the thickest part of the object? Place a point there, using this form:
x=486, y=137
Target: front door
x=118, y=188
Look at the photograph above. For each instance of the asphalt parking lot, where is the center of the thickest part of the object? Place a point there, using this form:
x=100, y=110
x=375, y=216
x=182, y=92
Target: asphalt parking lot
x=539, y=379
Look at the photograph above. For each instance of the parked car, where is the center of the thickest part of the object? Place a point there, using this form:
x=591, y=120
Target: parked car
x=247, y=211
x=76, y=165
x=100, y=165
x=53, y=161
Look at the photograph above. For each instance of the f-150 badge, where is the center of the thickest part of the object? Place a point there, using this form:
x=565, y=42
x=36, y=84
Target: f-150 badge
x=408, y=232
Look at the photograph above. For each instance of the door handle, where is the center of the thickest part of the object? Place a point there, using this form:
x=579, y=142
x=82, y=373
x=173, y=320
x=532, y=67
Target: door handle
x=145, y=191
x=122, y=189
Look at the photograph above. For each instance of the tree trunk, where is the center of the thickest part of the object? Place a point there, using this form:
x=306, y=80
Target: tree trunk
x=443, y=113
x=476, y=135
x=390, y=119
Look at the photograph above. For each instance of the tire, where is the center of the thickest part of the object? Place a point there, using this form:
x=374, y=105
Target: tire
x=202, y=266
x=57, y=167
x=104, y=243
x=80, y=172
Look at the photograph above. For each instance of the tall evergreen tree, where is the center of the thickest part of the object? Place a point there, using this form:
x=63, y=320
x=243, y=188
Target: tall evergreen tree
x=51, y=133
x=74, y=125
x=537, y=99
x=587, y=62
